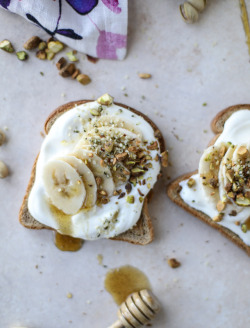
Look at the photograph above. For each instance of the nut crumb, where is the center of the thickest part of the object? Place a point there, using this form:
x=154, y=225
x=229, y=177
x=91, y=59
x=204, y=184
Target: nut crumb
x=173, y=263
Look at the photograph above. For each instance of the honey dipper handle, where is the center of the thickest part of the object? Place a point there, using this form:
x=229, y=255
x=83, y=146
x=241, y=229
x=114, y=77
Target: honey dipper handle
x=117, y=324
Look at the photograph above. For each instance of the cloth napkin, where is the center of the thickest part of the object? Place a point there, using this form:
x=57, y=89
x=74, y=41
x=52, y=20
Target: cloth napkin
x=95, y=27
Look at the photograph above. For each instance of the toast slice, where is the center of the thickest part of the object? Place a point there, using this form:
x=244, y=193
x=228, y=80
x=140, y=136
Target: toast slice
x=142, y=233
x=174, y=187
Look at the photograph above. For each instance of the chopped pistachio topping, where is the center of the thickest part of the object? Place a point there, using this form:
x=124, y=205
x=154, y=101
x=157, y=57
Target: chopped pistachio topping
x=55, y=46
x=191, y=182
x=218, y=218
x=22, y=55
x=106, y=100
x=6, y=46
x=71, y=56
x=130, y=199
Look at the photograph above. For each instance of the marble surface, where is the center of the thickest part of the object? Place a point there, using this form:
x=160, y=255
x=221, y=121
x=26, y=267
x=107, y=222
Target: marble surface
x=191, y=65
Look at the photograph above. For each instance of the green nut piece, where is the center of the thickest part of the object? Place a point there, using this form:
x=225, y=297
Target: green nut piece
x=83, y=79
x=106, y=100
x=22, y=55
x=130, y=199
x=96, y=111
x=6, y=46
x=71, y=56
x=244, y=228
x=55, y=46
x=42, y=45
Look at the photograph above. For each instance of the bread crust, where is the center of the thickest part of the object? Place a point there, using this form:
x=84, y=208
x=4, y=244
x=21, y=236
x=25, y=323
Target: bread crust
x=174, y=188
x=217, y=124
x=142, y=233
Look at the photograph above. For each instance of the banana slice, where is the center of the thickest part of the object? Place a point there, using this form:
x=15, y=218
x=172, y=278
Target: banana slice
x=209, y=168
x=97, y=137
x=64, y=186
x=94, y=163
x=87, y=178
x=223, y=179
x=115, y=122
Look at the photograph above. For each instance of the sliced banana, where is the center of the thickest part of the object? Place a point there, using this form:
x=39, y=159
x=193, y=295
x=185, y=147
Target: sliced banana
x=94, y=163
x=223, y=180
x=115, y=122
x=87, y=178
x=64, y=186
x=209, y=168
x=98, y=136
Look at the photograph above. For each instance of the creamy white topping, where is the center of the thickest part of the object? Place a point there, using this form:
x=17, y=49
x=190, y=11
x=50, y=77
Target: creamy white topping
x=224, y=177
x=71, y=132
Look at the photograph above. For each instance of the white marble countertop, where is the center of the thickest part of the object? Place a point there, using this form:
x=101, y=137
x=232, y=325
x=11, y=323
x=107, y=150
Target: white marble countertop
x=191, y=64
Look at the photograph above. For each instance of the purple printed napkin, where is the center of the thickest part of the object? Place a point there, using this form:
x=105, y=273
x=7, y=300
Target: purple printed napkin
x=95, y=27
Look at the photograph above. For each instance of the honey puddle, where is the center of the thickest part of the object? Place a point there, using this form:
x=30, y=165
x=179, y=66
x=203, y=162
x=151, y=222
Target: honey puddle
x=247, y=223
x=123, y=281
x=67, y=243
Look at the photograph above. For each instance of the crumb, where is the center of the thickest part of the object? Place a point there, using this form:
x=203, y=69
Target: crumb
x=204, y=104
x=100, y=259
x=88, y=302
x=173, y=263
x=42, y=134
x=69, y=295
x=41, y=73
x=36, y=266
x=5, y=128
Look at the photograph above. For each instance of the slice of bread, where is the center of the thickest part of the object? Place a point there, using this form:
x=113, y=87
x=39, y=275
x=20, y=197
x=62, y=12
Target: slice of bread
x=174, y=187
x=142, y=233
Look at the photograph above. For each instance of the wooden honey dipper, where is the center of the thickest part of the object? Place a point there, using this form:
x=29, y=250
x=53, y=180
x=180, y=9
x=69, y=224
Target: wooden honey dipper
x=138, y=309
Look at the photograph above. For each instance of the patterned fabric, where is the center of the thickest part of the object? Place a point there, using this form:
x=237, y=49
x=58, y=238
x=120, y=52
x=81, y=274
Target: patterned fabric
x=95, y=27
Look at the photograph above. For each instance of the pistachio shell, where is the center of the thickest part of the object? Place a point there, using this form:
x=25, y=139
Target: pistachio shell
x=189, y=13
x=198, y=4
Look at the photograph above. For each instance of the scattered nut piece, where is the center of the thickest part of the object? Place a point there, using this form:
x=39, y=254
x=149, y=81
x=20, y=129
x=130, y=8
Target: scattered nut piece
x=83, y=79
x=218, y=218
x=2, y=137
x=144, y=75
x=41, y=54
x=61, y=63
x=67, y=70
x=6, y=46
x=72, y=56
x=191, y=182
x=173, y=263
x=4, y=172
x=130, y=199
x=22, y=55
x=96, y=112
x=50, y=54
x=242, y=152
x=55, y=46
x=92, y=59
x=220, y=206
x=128, y=187
x=109, y=146
x=42, y=45
x=164, y=158
x=106, y=100
x=121, y=157
x=32, y=43
x=75, y=74
x=244, y=228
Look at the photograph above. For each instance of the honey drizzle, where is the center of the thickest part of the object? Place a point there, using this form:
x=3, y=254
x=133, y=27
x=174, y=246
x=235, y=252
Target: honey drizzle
x=247, y=223
x=67, y=243
x=245, y=21
x=123, y=281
